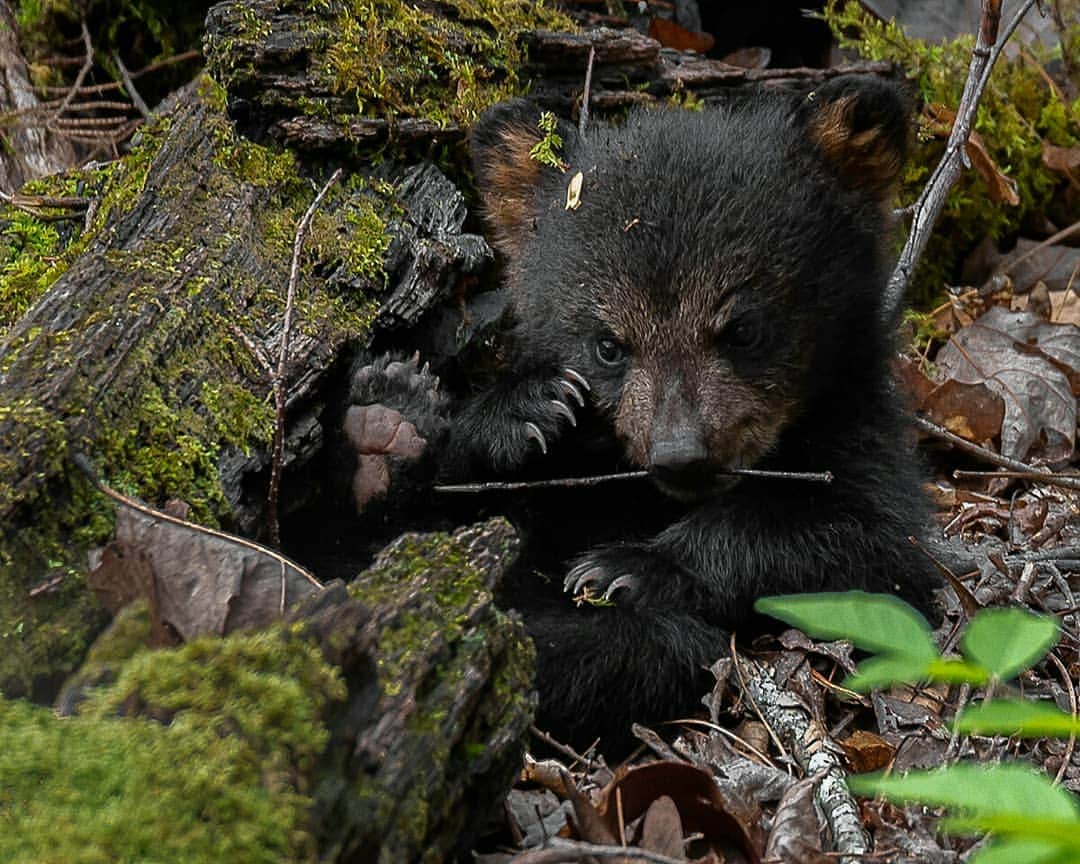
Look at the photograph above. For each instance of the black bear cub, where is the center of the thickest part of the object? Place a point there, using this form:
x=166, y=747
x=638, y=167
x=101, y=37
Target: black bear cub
x=711, y=299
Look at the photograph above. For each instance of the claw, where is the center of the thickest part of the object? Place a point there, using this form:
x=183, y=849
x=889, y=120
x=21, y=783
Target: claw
x=579, y=577
x=572, y=391
x=624, y=581
x=533, y=431
x=577, y=378
x=563, y=409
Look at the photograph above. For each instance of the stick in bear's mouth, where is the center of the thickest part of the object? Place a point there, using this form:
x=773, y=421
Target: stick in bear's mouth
x=569, y=482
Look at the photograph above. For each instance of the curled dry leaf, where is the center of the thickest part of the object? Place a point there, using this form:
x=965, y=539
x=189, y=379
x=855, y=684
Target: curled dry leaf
x=795, y=833
x=729, y=828
x=1034, y=366
x=197, y=581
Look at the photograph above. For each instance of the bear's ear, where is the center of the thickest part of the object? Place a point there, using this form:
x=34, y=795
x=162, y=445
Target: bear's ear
x=506, y=173
x=861, y=125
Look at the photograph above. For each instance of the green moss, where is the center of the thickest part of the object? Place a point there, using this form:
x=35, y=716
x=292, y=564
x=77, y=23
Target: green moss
x=225, y=780
x=397, y=59
x=1018, y=112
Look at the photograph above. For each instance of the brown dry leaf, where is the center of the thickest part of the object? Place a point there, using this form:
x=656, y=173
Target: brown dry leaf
x=795, y=833
x=201, y=581
x=1058, y=266
x=1000, y=186
x=1063, y=159
x=1022, y=359
x=671, y=35
x=972, y=411
x=866, y=751
x=729, y=827
x=661, y=829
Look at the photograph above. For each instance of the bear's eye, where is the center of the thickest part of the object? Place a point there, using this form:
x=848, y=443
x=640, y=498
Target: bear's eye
x=609, y=352
x=744, y=333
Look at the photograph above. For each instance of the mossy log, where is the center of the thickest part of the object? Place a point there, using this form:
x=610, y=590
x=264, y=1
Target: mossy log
x=148, y=351
x=378, y=724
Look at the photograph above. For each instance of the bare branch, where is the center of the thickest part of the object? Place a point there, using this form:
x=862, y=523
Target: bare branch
x=283, y=354
x=930, y=203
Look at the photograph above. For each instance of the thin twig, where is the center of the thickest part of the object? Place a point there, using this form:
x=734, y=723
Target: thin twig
x=583, y=117
x=283, y=354
x=560, y=851
x=570, y=482
x=565, y=749
x=83, y=464
x=1063, y=234
x=932, y=199
x=1070, y=688
x=129, y=85
x=84, y=70
x=987, y=455
x=1066, y=479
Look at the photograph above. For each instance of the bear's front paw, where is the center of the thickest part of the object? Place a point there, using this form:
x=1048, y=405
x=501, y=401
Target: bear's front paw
x=397, y=409
x=624, y=574
x=548, y=414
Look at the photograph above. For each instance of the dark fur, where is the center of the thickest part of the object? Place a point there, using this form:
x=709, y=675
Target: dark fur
x=737, y=257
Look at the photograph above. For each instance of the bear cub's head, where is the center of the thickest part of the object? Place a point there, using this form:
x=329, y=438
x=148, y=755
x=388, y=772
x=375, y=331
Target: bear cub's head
x=720, y=277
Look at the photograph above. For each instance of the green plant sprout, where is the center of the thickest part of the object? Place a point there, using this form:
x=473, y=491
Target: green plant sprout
x=546, y=150
x=1032, y=820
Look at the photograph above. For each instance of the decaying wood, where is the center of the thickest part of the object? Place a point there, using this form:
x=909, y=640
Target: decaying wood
x=432, y=733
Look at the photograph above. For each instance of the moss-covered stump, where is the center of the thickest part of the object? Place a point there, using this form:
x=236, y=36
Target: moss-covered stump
x=438, y=706
x=143, y=340
x=377, y=727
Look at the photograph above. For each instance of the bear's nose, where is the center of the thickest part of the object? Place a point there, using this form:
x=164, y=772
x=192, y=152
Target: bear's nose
x=678, y=450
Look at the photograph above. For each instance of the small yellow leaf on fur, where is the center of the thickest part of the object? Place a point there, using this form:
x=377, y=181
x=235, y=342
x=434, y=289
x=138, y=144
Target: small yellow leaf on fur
x=573, y=191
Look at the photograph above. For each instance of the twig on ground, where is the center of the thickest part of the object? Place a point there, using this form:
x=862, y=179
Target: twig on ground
x=560, y=851
x=813, y=750
x=928, y=207
x=569, y=482
x=565, y=749
x=990, y=456
x=1070, y=688
x=283, y=355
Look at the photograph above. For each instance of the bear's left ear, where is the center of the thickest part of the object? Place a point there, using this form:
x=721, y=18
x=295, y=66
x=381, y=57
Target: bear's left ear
x=861, y=125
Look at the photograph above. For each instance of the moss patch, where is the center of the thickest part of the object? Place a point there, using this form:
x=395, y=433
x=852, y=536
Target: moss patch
x=225, y=780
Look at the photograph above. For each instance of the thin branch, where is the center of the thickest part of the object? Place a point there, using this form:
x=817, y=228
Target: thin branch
x=583, y=117
x=129, y=85
x=570, y=482
x=283, y=354
x=988, y=455
x=932, y=199
x=560, y=851
x=1065, y=479
x=1070, y=688
x=84, y=70
x=83, y=464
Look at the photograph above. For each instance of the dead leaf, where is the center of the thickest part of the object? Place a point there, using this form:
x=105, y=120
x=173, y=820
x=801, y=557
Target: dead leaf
x=661, y=829
x=795, y=832
x=729, y=827
x=672, y=35
x=1058, y=266
x=573, y=191
x=1063, y=159
x=866, y=751
x=197, y=581
x=1023, y=360
x=1000, y=186
x=972, y=411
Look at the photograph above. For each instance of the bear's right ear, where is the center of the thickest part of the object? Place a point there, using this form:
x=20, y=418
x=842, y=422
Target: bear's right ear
x=507, y=175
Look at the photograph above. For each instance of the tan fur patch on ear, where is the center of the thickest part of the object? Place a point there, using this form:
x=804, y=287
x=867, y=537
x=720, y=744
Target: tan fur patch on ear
x=866, y=159
x=511, y=176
